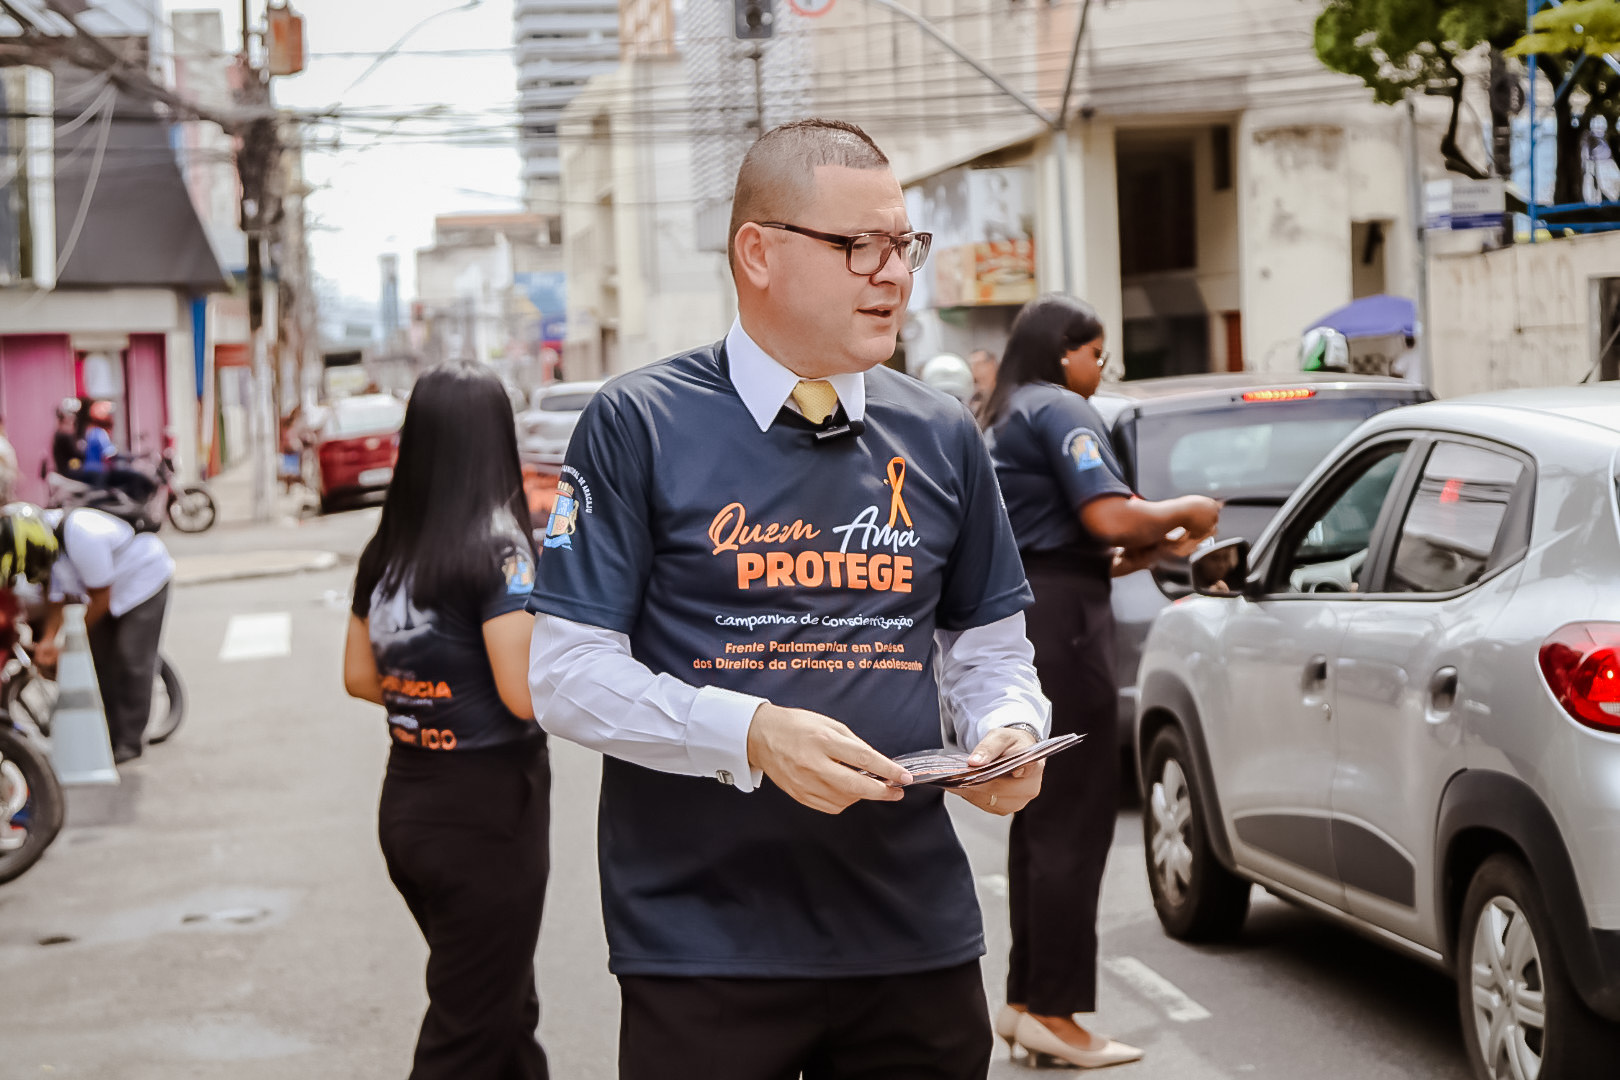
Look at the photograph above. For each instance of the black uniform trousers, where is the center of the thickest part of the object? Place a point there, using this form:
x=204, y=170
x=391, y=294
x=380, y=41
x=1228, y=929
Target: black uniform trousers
x=124, y=650
x=933, y=1025
x=465, y=834
x=1059, y=843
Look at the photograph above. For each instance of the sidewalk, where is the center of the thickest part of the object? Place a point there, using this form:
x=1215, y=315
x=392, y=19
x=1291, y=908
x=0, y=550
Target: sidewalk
x=296, y=540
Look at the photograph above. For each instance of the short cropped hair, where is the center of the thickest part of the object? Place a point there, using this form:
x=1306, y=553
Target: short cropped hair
x=778, y=174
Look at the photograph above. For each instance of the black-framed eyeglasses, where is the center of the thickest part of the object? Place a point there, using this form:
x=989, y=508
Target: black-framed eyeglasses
x=866, y=254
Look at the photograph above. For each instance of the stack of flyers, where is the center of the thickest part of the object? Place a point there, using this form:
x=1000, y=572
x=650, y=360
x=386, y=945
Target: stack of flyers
x=950, y=768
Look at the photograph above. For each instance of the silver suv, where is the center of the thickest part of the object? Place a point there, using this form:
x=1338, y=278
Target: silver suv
x=1402, y=710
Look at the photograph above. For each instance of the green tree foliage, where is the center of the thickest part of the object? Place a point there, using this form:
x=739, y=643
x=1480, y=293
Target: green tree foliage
x=1591, y=27
x=1396, y=46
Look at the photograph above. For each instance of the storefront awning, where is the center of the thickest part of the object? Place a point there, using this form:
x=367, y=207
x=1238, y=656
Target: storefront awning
x=139, y=227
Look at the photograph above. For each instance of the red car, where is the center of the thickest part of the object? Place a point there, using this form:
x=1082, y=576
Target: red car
x=359, y=442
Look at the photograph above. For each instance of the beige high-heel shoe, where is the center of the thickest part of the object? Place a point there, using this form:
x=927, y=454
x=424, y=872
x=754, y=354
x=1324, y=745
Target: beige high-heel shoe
x=1007, y=1028
x=1047, y=1049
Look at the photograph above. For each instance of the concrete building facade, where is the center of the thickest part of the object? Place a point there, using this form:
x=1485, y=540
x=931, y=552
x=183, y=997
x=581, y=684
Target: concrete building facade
x=1545, y=314
x=561, y=45
x=490, y=289
x=1222, y=188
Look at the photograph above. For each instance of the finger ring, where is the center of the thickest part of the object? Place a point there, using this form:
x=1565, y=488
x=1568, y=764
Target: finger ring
x=992, y=800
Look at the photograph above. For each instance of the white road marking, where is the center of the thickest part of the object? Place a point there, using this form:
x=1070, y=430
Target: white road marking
x=1157, y=989
x=257, y=637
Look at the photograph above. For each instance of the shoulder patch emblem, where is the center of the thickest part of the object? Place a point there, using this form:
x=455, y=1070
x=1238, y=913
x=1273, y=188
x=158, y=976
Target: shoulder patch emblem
x=564, y=518
x=1080, y=446
x=519, y=572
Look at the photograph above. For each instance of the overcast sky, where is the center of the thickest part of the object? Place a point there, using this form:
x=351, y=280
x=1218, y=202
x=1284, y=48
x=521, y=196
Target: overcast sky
x=371, y=197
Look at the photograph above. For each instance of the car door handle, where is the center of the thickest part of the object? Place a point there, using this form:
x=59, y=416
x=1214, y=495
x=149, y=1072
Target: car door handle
x=1443, y=692
x=1316, y=673
x=1314, y=686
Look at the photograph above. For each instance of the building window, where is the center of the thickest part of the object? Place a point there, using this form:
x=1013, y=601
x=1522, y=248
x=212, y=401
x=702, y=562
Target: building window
x=1221, y=156
x=1158, y=229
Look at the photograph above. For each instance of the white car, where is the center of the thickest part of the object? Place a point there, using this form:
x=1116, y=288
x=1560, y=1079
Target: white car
x=544, y=430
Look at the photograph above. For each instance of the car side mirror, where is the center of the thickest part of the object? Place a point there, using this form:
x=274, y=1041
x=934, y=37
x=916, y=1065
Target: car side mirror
x=1221, y=570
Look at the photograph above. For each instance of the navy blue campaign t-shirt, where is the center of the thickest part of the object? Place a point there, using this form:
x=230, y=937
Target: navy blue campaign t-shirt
x=812, y=575
x=438, y=686
x=1052, y=457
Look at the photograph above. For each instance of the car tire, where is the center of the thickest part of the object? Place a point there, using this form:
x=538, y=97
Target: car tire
x=1197, y=898
x=1521, y=1016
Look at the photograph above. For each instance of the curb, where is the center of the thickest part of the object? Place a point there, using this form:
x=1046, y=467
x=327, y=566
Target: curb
x=212, y=569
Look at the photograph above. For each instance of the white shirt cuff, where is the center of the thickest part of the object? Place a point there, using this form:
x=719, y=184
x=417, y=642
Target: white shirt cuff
x=717, y=736
x=1014, y=713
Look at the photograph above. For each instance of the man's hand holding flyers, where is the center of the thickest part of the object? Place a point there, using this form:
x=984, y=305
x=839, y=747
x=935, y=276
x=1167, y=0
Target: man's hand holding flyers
x=814, y=759
x=1010, y=793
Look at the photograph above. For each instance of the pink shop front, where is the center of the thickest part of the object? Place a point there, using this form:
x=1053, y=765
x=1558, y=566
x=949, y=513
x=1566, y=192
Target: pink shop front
x=37, y=371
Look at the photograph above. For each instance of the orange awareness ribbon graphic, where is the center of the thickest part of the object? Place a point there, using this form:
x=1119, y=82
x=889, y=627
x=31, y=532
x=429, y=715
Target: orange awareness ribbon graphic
x=897, y=480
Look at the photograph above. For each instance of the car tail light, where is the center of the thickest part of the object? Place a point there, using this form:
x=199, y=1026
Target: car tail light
x=1581, y=663
x=1299, y=394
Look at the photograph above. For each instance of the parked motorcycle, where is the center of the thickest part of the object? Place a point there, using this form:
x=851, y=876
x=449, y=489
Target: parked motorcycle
x=143, y=500
x=31, y=803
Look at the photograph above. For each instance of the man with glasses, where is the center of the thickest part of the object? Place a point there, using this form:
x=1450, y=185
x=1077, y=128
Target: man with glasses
x=771, y=538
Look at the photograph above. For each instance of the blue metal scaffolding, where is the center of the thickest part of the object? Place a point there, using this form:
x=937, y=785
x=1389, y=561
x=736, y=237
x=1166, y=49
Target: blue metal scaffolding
x=1537, y=211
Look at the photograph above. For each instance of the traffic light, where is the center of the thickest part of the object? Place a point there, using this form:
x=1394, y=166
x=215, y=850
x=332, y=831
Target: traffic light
x=755, y=19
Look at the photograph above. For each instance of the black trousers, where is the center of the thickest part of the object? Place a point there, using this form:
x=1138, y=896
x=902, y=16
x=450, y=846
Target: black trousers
x=934, y=1025
x=466, y=838
x=1059, y=842
x=124, y=649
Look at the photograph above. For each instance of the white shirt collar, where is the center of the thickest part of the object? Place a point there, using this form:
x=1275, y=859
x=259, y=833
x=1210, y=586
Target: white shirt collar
x=765, y=385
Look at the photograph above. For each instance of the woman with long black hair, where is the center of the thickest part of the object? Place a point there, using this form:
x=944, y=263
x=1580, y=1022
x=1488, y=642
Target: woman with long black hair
x=1078, y=524
x=440, y=638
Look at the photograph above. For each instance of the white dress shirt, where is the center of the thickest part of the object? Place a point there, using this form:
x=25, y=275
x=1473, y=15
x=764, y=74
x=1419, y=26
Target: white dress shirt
x=589, y=689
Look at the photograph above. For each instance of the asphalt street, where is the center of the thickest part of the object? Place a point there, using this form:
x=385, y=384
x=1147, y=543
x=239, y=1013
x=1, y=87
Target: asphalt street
x=224, y=912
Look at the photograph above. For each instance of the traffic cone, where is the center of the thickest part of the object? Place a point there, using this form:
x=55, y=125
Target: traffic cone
x=81, y=751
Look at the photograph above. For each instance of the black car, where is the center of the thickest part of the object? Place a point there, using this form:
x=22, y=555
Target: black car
x=1245, y=438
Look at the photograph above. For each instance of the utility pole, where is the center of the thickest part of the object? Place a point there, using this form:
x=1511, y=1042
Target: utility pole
x=257, y=157
x=1414, y=189
x=755, y=21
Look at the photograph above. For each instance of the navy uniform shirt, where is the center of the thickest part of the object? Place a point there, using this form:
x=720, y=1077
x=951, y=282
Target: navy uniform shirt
x=438, y=686
x=815, y=576
x=1052, y=457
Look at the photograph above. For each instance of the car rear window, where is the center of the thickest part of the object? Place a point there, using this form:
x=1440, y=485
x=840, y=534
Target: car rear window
x=565, y=402
x=358, y=417
x=1245, y=450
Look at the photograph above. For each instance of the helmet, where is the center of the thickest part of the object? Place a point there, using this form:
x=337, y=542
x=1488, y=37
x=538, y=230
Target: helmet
x=27, y=544
x=69, y=407
x=1324, y=349
x=101, y=412
x=950, y=373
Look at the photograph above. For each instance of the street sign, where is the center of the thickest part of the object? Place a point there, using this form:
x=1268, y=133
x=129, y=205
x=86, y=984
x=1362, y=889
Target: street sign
x=810, y=8
x=1463, y=204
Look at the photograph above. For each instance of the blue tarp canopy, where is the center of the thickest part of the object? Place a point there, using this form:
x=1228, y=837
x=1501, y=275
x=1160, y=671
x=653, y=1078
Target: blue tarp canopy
x=1371, y=316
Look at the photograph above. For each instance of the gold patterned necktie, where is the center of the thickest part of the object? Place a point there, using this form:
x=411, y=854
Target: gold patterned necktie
x=817, y=399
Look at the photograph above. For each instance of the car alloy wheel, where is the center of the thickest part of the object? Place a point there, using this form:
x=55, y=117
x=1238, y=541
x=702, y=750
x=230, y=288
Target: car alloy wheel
x=1170, y=803
x=1510, y=1015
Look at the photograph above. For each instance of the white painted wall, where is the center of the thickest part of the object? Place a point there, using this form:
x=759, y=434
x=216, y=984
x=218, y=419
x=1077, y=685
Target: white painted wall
x=1295, y=226
x=129, y=311
x=1516, y=317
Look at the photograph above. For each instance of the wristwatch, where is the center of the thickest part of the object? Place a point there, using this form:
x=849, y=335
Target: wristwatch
x=1025, y=727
